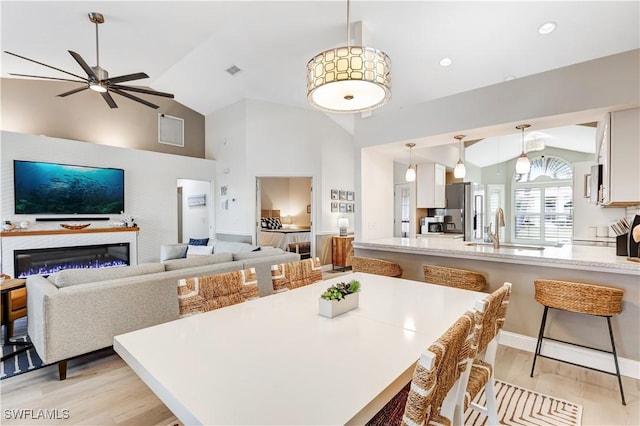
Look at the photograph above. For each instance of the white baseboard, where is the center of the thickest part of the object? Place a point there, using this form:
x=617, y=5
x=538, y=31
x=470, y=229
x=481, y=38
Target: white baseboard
x=577, y=355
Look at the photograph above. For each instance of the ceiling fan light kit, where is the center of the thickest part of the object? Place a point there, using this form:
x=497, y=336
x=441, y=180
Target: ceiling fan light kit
x=523, y=165
x=349, y=79
x=97, y=78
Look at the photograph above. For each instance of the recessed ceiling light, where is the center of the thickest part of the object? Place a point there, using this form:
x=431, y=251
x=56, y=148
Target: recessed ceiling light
x=445, y=62
x=547, y=28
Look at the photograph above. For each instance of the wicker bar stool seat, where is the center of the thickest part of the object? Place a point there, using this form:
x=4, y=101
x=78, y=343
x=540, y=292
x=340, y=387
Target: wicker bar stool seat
x=581, y=298
x=376, y=266
x=452, y=277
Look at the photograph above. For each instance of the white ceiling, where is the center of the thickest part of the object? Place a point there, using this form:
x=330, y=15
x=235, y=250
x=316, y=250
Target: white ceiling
x=185, y=47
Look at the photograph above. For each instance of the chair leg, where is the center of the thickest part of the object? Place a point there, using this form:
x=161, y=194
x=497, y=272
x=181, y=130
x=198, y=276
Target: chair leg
x=492, y=406
x=540, y=336
x=62, y=369
x=615, y=359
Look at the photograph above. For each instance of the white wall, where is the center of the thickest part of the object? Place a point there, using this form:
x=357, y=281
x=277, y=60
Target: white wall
x=196, y=219
x=150, y=181
x=376, y=206
x=254, y=138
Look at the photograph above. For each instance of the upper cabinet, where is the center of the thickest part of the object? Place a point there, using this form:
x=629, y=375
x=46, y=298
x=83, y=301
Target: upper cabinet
x=430, y=186
x=619, y=155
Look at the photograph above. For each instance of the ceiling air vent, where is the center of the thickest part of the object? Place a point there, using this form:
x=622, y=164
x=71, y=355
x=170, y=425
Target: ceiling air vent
x=233, y=70
x=170, y=130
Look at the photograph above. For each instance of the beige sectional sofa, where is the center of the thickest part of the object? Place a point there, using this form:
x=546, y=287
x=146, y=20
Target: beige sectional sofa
x=77, y=311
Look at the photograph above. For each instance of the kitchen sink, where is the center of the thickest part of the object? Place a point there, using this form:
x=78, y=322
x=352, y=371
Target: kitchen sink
x=509, y=246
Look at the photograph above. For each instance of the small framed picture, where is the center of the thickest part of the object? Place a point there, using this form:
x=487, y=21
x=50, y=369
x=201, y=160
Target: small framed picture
x=343, y=207
x=350, y=195
x=350, y=207
x=334, y=207
x=334, y=194
x=343, y=195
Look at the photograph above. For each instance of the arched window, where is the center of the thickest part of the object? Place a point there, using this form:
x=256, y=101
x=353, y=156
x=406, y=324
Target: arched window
x=543, y=202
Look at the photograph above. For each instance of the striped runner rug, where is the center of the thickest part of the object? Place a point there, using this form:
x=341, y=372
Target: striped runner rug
x=23, y=362
x=520, y=406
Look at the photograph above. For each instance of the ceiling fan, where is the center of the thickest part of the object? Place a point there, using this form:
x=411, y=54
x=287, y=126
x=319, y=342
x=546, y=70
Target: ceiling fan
x=97, y=78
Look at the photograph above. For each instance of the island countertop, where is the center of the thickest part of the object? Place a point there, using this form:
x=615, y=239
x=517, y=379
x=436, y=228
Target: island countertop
x=595, y=258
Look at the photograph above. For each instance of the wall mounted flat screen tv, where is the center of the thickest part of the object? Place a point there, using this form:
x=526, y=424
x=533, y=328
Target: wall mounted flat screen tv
x=48, y=188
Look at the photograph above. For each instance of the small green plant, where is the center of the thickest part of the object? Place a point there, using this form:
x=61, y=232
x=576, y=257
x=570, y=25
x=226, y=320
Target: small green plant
x=341, y=289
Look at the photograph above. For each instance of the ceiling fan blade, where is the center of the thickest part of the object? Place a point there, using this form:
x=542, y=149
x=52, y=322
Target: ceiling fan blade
x=146, y=91
x=128, y=77
x=71, y=92
x=109, y=100
x=133, y=98
x=48, y=78
x=84, y=65
x=45, y=65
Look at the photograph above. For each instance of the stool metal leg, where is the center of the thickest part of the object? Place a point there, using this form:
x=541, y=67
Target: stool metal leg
x=615, y=359
x=540, y=337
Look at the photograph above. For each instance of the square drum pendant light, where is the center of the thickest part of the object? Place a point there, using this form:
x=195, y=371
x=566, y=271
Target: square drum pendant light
x=349, y=79
x=523, y=165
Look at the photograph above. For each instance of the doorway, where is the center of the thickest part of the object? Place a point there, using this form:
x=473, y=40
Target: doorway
x=194, y=210
x=402, y=210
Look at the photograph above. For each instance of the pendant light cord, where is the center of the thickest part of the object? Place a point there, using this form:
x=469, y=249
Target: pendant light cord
x=348, y=24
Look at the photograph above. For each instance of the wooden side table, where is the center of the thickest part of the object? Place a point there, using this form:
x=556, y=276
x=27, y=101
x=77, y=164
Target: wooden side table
x=342, y=252
x=7, y=286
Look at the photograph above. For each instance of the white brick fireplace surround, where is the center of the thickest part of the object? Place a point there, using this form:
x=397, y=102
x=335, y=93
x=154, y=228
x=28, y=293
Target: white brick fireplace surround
x=48, y=238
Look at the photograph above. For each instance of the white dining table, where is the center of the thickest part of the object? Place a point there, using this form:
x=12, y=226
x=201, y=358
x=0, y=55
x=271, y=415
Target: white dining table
x=274, y=360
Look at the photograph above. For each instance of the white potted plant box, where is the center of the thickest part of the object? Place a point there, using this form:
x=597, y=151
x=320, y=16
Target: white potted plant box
x=333, y=308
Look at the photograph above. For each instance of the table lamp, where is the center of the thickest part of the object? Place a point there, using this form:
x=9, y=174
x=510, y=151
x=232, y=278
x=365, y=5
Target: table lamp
x=343, y=224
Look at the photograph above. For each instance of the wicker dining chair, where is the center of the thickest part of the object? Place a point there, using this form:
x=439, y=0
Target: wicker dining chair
x=376, y=266
x=452, y=277
x=430, y=397
x=581, y=298
x=489, y=314
x=287, y=276
x=202, y=294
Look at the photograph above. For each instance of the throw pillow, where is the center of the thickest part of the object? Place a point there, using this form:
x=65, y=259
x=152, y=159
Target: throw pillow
x=193, y=251
x=198, y=241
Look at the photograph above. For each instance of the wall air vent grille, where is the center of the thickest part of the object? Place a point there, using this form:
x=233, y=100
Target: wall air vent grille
x=170, y=130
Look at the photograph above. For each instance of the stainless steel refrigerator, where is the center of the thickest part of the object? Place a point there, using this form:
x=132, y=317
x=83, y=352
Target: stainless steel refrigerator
x=464, y=213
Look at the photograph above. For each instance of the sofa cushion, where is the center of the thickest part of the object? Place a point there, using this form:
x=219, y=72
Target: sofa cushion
x=264, y=252
x=195, y=251
x=173, y=251
x=232, y=247
x=68, y=277
x=198, y=241
x=174, y=264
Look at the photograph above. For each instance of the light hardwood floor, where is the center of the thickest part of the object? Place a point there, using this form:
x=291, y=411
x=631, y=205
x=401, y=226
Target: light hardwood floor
x=102, y=390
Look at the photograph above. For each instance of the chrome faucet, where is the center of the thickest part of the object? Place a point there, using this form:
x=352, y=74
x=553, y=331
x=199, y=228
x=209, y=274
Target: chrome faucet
x=495, y=238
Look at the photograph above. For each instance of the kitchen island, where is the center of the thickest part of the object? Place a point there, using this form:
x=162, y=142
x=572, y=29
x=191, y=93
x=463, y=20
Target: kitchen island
x=521, y=266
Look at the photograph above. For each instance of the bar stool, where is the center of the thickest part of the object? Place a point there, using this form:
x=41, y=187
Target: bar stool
x=453, y=277
x=580, y=298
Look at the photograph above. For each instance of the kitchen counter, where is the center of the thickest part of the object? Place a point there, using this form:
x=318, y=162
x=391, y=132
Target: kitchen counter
x=441, y=235
x=587, y=264
x=593, y=258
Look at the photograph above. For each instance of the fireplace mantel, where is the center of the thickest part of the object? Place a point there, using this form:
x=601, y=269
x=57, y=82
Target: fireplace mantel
x=29, y=232
x=54, y=238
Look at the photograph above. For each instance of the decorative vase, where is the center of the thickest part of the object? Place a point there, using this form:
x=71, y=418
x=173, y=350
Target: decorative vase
x=333, y=308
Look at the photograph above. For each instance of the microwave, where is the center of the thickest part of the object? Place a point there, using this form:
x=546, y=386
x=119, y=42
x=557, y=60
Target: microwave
x=431, y=224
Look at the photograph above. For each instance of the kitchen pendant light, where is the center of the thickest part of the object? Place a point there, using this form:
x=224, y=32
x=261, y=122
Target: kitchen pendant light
x=410, y=175
x=460, y=171
x=350, y=78
x=523, y=165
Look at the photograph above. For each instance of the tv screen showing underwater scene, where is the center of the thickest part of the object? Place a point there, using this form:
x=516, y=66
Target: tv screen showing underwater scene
x=48, y=188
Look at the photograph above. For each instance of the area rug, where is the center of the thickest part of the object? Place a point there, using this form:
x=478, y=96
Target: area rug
x=23, y=362
x=516, y=406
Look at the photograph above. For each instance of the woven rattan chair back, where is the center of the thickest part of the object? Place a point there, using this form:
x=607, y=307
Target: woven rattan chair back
x=202, y=294
x=287, y=276
x=437, y=373
x=452, y=277
x=579, y=297
x=376, y=266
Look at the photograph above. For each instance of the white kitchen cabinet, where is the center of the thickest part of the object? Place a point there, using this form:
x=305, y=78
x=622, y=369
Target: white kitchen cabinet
x=619, y=154
x=430, y=186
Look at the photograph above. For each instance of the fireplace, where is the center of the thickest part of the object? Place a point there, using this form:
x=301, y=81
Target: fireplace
x=45, y=261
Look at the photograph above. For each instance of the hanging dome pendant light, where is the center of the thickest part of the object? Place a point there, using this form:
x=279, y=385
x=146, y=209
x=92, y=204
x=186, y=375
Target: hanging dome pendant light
x=460, y=171
x=350, y=78
x=523, y=165
x=410, y=175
